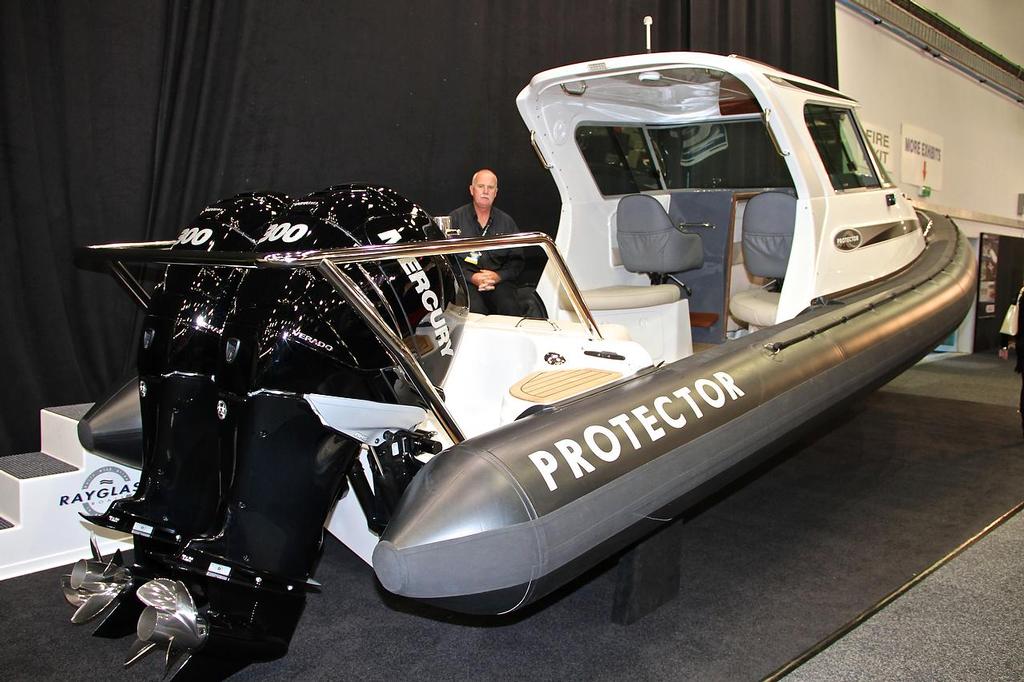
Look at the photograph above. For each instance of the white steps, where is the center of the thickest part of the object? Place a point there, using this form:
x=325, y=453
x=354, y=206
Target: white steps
x=42, y=493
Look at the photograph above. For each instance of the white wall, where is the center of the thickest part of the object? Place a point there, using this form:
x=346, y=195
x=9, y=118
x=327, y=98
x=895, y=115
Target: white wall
x=982, y=131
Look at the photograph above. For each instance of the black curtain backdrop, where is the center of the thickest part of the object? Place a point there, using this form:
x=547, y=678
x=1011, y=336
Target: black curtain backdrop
x=120, y=120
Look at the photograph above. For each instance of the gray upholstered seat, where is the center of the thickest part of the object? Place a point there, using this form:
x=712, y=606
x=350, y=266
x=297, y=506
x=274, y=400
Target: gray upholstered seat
x=648, y=244
x=648, y=241
x=768, y=233
x=768, y=221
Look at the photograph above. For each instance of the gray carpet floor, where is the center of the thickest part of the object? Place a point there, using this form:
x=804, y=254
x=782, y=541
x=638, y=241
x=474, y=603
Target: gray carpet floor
x=978, y=378
x=965, y=621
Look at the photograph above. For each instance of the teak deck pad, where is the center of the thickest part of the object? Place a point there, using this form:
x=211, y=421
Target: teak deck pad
x=554, y=384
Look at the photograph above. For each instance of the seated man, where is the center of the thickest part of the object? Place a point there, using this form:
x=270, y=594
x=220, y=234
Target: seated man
x=492, y=276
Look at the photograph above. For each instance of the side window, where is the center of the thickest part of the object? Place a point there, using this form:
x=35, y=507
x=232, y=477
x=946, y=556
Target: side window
x=618, y=159
x=840, y=147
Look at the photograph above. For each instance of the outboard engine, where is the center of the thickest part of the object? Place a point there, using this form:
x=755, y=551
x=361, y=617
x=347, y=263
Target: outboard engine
x=293, y=342
x=255, y=429
x=177, y=400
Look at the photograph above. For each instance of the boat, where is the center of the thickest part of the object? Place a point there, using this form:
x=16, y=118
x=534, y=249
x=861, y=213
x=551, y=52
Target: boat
x=732, y=265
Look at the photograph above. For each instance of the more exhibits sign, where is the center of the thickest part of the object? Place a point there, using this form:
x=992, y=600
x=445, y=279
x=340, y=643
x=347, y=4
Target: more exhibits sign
x=921, y=154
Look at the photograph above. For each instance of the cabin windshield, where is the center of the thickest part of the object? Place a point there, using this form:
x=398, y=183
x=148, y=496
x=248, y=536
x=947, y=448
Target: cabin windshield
x=707, y=134
x=731, y=153
x=841, y=147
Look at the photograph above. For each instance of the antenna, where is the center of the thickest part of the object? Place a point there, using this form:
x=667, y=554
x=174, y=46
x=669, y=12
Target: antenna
x=648, y=20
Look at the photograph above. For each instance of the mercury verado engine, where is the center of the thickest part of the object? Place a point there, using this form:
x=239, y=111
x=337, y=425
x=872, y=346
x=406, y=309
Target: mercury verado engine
x=246, y=441
x=176, y=365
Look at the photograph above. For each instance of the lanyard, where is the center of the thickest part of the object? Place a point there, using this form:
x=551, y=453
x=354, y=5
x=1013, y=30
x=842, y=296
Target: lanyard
x=483, y=232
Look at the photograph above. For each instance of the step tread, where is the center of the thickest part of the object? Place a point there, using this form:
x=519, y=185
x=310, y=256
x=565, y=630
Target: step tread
x=75, y=412
x=34, y=465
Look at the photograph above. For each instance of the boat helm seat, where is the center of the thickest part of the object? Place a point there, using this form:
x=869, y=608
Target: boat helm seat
x=650, y=244
x=767, y=241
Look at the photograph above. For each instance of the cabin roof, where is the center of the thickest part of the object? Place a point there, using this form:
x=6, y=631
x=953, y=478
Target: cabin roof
x=654, y=80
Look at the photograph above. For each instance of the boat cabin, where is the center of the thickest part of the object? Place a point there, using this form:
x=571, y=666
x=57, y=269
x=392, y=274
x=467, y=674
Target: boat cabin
x=702, y=195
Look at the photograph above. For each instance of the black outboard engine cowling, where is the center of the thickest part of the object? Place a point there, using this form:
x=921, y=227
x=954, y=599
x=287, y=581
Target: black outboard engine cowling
x=184, y=475
x=177, y=361
x=112, y=426
x=291, y=333
x=239, y=471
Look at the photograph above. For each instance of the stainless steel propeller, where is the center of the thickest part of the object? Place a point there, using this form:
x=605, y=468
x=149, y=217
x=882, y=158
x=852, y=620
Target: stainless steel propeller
x=170, y=618
x=94, y=584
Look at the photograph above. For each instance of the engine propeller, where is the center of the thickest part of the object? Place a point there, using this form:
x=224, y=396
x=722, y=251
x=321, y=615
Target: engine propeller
x=94, y=584
x=170, y=618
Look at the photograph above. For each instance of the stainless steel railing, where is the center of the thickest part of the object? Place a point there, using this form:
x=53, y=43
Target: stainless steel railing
x=328, y=262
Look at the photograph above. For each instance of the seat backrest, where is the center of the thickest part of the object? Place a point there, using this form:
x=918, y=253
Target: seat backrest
x=650, y=243
x=768, y=221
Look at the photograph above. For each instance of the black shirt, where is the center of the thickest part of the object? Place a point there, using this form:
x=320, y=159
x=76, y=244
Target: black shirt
x=508, y=263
